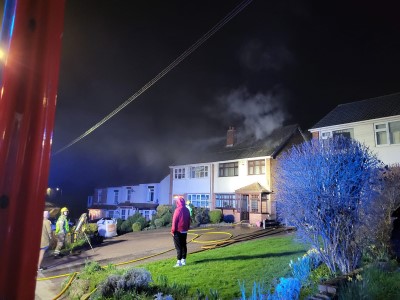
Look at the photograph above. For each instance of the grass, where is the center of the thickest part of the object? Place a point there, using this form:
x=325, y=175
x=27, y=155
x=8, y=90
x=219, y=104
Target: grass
x=222, y=269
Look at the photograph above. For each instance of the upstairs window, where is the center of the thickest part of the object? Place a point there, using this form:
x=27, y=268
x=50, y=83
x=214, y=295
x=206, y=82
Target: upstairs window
x=199, y=172
x=179, y=173
x=348, y=133
x=116, y=193
x=129, y=194
x=256, y=167
x=387, y=133
x=228, y=169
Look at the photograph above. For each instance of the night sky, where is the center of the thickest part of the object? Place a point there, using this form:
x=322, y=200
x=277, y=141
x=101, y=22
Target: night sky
x=275, y=63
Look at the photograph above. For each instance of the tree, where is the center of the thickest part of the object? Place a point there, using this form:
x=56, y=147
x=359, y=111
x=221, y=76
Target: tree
x=324, y=188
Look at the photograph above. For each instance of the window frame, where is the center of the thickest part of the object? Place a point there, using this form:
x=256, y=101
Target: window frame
x=198, y=171
x=226, y=167
x=179, y=173
x=199, y=200
x=253, y=164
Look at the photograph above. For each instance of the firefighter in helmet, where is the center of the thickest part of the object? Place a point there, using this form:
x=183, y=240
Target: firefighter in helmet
x=62, y=228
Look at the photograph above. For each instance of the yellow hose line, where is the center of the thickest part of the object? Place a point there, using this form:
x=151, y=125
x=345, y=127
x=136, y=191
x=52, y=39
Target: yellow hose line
x=214, y=243
x=66, y=286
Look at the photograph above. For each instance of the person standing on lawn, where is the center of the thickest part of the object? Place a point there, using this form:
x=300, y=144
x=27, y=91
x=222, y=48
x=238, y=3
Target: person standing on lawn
x=179, y=229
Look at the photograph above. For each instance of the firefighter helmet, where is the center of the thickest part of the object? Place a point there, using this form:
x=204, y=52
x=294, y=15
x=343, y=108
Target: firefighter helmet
x=64, y=209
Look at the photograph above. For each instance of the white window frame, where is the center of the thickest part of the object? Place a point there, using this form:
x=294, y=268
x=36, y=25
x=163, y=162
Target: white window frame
x=199, y=200
x=129, y=194
x=388, y=133
x=198, y=172
x=179, y=173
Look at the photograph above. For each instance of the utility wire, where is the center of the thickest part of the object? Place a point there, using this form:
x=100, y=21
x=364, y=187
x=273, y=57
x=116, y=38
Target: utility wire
x=185, y=54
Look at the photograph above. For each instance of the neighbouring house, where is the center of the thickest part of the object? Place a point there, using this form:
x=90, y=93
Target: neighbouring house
x=235, y=175
x=374, y=122
x=124, y=201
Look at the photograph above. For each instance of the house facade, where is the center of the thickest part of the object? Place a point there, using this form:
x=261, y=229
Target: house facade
x=235, y=176
x=124, y=201
x=374, y=122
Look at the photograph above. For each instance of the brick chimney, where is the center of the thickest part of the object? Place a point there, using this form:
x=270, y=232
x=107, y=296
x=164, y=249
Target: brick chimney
x=231, y=137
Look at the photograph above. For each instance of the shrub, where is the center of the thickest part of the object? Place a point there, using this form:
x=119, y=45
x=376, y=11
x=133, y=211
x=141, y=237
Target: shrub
x=201, y=215
x=326, y=189
x=215, y=216
x=301, y=269
x=159, y=222
x=126, y=226
x=137, y=226
x=132, y=280
x=288, y=288
x=229, y=218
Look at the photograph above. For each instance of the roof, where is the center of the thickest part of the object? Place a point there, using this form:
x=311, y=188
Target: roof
x=373, y=108
x=254, y=187
x=246, y=148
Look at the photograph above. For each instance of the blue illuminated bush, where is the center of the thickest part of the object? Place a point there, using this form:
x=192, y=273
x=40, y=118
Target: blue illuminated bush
x=229, y=218
x=326, y=188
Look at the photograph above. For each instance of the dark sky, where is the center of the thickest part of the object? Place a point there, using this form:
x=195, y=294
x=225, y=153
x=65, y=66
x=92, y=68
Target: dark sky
x=275, y=63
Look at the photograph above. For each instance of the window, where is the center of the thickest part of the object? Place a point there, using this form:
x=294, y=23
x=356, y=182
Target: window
x=254, y=203
x=129, y=196
x=99, y=192
x=256, y=167
x=116, y=193
x=199, y=200
x=150, y=197
x=228, y=169
x=387, y=133
x=199, y=172
x=348, y=133
x=179, y=173
x=326, y=135
x=225, y=200
x=123, y=214
x=264, y=199
x=111, y=214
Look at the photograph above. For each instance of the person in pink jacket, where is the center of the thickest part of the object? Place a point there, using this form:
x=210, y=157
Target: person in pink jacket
x=179, y=229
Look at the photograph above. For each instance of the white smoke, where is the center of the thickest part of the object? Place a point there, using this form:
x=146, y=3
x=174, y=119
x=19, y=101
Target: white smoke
x=259, y=114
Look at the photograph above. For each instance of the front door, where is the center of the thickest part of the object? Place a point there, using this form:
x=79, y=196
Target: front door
x=244, y=207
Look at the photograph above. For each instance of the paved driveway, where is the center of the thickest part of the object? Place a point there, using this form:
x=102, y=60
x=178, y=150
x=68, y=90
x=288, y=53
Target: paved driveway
x=137, y=248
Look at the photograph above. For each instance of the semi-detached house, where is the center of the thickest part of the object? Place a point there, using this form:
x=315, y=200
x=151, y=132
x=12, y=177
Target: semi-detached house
x=236, y=175
x=374, y=122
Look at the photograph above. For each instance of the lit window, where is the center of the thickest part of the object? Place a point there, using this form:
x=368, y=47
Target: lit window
x=256, y=167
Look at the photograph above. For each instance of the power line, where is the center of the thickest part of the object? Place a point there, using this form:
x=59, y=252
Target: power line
x=178, y=60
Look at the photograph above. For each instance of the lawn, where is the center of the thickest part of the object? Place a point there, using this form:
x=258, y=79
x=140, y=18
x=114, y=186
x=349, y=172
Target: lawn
x=223, y=268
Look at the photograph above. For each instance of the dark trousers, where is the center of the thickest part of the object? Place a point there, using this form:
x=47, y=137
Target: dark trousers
x=180, y=245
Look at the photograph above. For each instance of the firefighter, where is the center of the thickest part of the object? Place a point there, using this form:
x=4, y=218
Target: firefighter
x=62, y=228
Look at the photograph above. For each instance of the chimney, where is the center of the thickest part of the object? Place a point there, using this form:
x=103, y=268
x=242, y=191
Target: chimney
x=230, y=137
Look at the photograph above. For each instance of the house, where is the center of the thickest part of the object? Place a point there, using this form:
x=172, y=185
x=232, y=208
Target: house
x=374, y=122
x=124, y=201
x=235, y=175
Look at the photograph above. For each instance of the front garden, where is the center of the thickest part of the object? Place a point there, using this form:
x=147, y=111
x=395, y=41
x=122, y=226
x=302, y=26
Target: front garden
x=338, y=196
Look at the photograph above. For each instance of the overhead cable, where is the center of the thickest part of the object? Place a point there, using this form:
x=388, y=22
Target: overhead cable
x=185, y=54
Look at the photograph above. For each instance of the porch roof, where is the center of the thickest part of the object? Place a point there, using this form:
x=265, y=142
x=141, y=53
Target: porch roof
x=252, y=188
